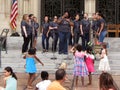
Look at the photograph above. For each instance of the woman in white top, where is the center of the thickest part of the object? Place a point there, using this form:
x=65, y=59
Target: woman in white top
x=42, y=85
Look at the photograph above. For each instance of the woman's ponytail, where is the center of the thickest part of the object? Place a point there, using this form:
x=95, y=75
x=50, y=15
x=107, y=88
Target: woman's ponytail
x=14, y=75
x=9, y=69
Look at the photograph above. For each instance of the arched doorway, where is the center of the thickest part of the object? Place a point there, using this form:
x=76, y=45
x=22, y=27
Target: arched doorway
x=110, y=9
x=57, y=7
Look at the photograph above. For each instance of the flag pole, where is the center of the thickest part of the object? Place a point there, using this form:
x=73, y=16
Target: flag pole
x=13, y=17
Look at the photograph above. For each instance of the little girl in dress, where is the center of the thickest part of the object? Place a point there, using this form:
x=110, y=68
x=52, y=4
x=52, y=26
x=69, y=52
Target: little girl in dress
x=31, y=66
x=80, y=68
x=89, y=63
x=104, y=63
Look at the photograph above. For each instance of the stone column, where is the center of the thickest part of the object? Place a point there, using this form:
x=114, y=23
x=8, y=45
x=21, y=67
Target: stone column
x=25, y=6
x=90, y=7
x=39, y=11
x=2, y=5
x=7, y=8
x=4, y=14
x=20, y=8
x=33, y=7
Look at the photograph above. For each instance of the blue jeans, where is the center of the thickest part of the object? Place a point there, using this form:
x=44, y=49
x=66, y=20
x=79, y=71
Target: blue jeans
x=76, y=37
x=63, y=42
x=45, y=42
x=85, y=40
x=54, y=36
x=102, y=35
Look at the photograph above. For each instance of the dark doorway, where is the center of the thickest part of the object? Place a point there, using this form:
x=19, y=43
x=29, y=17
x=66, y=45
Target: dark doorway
x=110, y=9
x=57, y=7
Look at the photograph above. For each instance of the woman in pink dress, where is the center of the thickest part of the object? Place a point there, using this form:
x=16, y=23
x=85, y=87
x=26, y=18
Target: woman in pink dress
x=89, y=63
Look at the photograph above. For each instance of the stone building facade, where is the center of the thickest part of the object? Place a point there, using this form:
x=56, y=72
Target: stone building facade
x=30, y=6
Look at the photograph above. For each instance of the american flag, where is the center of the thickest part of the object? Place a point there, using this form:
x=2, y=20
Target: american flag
x=14, y=13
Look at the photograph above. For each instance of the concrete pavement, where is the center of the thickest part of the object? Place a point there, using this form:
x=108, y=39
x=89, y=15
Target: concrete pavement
x=22, y=81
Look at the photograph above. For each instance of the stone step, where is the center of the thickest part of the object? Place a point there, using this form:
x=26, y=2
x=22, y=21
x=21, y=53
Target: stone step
x=15, y=60
x=113, y=58
x=16, y=43
x=53, y=68
x=52, y=62
x=116, y=50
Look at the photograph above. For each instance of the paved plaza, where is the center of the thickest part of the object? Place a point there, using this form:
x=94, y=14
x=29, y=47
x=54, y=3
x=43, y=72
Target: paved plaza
x=22, y=81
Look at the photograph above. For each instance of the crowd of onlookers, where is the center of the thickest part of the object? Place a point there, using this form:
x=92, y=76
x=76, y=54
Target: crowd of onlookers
x=106, y=81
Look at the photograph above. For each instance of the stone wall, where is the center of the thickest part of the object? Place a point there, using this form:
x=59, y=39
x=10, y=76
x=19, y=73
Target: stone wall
x=24, y=7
